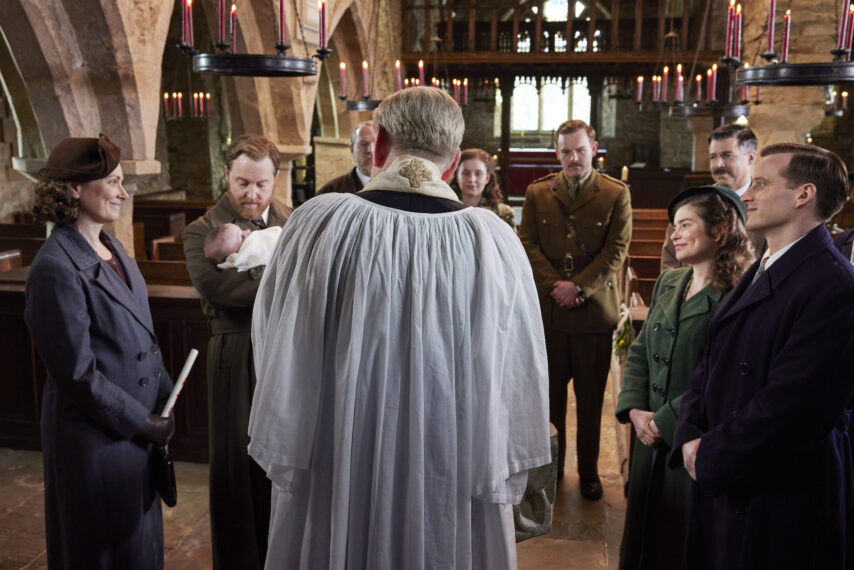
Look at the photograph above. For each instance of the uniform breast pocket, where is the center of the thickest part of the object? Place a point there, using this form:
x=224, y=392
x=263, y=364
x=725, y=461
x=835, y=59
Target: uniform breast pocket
x=552, y=233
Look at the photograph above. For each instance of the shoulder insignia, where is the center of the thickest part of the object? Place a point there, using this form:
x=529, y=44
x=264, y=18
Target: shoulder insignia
x=546, y=177
x=612, y=179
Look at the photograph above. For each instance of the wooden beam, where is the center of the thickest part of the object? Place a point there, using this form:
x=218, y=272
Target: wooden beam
x=638, y=24
x=615, y=25
x=662, y=20
x=538, y=28
x=515, y=26
x=449, y=28
x=506, y=86
x=472, y=25
x=686, y=20
x=493, y=30
x=570, y=16
x=591, y=23
x=428, y=32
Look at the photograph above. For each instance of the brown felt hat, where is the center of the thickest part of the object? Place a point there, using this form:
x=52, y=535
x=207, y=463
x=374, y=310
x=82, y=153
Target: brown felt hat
x=82, y=159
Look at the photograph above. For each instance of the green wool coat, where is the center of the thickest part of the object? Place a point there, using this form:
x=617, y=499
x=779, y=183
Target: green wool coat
x=658, y=367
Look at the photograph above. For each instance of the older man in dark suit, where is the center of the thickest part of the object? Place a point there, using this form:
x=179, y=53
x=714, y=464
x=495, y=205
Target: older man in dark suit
x=362, y=143
x=764, y=425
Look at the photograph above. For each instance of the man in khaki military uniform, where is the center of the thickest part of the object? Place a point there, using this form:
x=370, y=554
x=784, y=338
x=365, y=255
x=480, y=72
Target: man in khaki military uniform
x=576, y=227
x=239, y=488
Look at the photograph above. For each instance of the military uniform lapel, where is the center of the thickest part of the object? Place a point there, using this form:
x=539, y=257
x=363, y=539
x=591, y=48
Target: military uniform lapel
x=559, y=191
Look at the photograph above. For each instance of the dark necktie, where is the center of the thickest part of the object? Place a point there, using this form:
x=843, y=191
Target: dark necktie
x=259, y=223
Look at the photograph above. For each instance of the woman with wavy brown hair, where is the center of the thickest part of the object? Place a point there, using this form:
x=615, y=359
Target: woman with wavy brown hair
x=88, y=315
x=477, y=186
x=710, y=239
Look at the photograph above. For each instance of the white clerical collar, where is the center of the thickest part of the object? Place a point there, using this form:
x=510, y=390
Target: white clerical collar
x=364, y=179
x=772, y=258
x=412, y=174
x=744, y=188
x=265, y=215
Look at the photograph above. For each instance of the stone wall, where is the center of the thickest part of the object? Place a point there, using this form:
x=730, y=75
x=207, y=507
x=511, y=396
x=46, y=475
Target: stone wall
x=16, y=191
x=332, y=159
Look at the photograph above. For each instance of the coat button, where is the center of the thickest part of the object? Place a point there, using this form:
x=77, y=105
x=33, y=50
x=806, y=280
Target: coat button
x=154, y=350
x=157, y=373
x=141, y=355
x=143, y=381
x=666, y=361
x=655, y=387
x=656, y=357
x=656, y=326
x=673, y=333
x=743, y=368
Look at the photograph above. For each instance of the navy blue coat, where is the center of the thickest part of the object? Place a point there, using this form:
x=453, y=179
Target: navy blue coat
x=105, y=376
x=772, y=401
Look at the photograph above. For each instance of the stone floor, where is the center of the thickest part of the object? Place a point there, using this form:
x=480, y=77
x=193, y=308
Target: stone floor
x=585, y=535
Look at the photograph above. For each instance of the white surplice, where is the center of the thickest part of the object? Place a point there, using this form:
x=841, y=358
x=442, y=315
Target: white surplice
x=402, y=387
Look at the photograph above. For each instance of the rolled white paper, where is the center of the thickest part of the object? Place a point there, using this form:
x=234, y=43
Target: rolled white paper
x=179, y=384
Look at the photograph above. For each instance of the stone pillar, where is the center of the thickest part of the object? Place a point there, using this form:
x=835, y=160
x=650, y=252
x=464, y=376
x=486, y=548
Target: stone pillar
x=595, y=87
x=287, y=153
x=701, y=127
x=332, y=158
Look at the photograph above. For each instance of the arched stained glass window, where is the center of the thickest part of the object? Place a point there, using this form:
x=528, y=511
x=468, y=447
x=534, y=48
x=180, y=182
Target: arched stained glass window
x=525, y=107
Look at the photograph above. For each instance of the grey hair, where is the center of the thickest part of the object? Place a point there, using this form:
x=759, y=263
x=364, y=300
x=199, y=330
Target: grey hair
x=422, y=121
x=355, y=134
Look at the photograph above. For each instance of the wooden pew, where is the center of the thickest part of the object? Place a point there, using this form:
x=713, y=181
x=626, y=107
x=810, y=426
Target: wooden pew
x=650, y=218
x=23, y=230
x=29, y=246
x=164, y=272
x=139, y=241
x=647, y=266
x=646, y=248
x=650, y=234
x=167, y=248
x=10, y=259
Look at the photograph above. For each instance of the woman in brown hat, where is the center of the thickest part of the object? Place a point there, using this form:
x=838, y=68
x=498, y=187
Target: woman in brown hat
x=88, y=314
x=710, y=239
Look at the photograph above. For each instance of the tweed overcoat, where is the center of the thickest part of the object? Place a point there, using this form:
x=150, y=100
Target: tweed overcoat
x=105, y=376
x=659, y=364
x=772, y=402
x=602, y=215
x=239, y=490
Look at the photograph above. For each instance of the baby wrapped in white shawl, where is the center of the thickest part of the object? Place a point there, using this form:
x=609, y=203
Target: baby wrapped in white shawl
x=232, y=248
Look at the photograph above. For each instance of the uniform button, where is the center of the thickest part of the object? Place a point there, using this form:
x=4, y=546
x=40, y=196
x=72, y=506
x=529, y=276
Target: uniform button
x=568, y=236
x=656, y=357
x=545, y=221
x=666, y=362
x=599, y=224
x=673, y=333
x=157, y=373
x=141, y=355
x=743, y=368
x=572, y=216
x=656, y=326
x=143, y=381
x=655, y=387
x=154, y=350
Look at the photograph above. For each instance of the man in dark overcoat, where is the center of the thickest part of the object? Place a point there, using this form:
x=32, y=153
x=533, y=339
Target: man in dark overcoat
x=239, y=488
x=576, y=226
x=362, y=143
x=764, y=425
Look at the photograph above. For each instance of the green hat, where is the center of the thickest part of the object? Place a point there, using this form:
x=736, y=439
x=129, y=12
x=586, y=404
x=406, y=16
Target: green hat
x=725, y=193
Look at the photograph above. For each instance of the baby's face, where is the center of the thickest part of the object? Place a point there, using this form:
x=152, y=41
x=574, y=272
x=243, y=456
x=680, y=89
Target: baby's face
x=232, y=238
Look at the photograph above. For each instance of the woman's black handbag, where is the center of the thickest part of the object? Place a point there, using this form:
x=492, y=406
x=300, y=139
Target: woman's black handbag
x=163, y=475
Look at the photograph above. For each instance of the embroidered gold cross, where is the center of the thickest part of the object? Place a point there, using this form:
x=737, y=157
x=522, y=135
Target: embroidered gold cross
x=416, y=173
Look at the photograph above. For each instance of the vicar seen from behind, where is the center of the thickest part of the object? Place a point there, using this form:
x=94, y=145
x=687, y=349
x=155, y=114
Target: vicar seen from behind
x=401, y=395
x=88, y=315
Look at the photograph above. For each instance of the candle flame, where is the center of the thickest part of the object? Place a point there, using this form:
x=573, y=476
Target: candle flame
x=666, y=69
x=397, y=64
x=714, y=67
x=699, y=77
x=166, y=95
x=174, y=94
x=234, y=8
x=640, y=78
x=180, y=95
x=834, y=93
x=207, y=95
x=189, y=3
x=342, y=66
x=679, y=68
x=420, y=64
x=789, y=12
x=195, y=95
x=845, y=93
x=466, y=81
x=364, y=64
x=709, y=72
x=850, y=8
x=738, y=9
x=731, y=3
